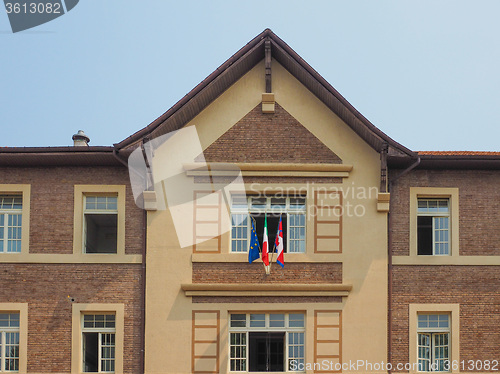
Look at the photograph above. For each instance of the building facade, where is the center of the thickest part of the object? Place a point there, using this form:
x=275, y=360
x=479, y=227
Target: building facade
x=445, y=244
x=390, y=256
x=71, y=243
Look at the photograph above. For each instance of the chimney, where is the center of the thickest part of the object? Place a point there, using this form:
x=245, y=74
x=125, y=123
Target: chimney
x=80, y=139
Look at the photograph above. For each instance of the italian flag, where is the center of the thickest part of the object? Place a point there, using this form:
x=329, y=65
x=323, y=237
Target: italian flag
x=265, y=245
x=279, y=246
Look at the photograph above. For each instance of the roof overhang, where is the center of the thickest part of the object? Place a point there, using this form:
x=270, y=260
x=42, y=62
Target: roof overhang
x=242, y=62
x=450, y=161
x=58, y=156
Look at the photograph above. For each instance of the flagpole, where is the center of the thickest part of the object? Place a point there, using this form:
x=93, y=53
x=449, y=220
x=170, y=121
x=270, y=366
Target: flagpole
x=272, y=256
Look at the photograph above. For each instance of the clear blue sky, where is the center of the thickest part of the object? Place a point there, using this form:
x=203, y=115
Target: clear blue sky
x=427, y=73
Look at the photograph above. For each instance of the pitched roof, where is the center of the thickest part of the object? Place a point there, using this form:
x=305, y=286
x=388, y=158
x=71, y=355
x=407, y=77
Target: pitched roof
x=242, y=62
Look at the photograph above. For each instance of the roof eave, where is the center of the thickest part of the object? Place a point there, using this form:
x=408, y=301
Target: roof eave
x=450, y=162
x=297, y=66
x=57, y=156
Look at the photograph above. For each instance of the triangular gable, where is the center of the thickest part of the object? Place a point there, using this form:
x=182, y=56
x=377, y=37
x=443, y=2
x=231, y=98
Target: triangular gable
x=260, y=137
x=237, y=66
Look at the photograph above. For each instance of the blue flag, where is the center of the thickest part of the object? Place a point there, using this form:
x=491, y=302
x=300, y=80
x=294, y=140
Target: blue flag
x=253, y=251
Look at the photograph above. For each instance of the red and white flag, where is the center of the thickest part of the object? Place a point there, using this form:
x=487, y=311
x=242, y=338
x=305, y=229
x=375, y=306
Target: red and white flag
x=265, y=245
x=279, y=246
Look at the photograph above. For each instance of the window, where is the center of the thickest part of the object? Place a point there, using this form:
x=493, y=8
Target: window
x=98, y=341
x=433, y=227
x=100, y=224
x=434, y=224
x=9, y=342
x=433, y=335
x=99, y=220
x=266, y=342
x=291, y=210
x=97, y=338
x=11, y=207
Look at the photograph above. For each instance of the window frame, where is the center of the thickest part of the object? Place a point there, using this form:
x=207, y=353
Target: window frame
x=22, y=310
x=247, y=329
x=96, y=211
x=78, y=312
x=5, y=226
x=79, y=220
x=248, y=209
x=433, y=333
x=452, y=194
x=23, y=190
x=453, y=310
x=100, y=332
x=434, y=229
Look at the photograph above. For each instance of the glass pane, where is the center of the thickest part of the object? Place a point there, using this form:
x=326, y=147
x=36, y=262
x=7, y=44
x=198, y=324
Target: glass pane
x=14, y=320
x=443, y=206
x=109, y=321
x=295, y=320
x=99, y=320
x=239, y=202
x=257, y=320
x=4, y=320
x=443, y=320
x=422, y=205
x=88, y=320
x=297, y=203
x=278, y=202
x=101, y=202
x=18, y=203
x=90, y=202
x=432, y=206
x=259, y=202
x=239, y=232
x=277, y=320
x=11, y=202
x=238, y=320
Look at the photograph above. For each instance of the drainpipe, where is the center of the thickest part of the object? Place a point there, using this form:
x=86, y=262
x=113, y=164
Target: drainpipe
x=143, y=292
x=149, y=185
x=143, y=276
x=389, y=260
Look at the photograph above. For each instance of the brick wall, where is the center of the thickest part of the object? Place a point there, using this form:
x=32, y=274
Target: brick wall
x=307, y=273
x=52, y=204
x=267, y=299
x=276, y=137
x=46, y=288
x=479, y=201
x=475, y=288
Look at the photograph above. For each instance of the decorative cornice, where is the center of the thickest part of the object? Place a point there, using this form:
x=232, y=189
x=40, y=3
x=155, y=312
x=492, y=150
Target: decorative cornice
x=264, y=169
x=258, y=289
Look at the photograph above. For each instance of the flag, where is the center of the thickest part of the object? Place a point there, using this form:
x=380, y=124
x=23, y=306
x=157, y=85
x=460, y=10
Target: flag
x=279, y=246
x=265, y=245
x=253, y=251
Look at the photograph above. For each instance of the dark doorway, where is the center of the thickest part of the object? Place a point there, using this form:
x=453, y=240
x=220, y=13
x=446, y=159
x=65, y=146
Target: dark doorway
x=266, y=351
